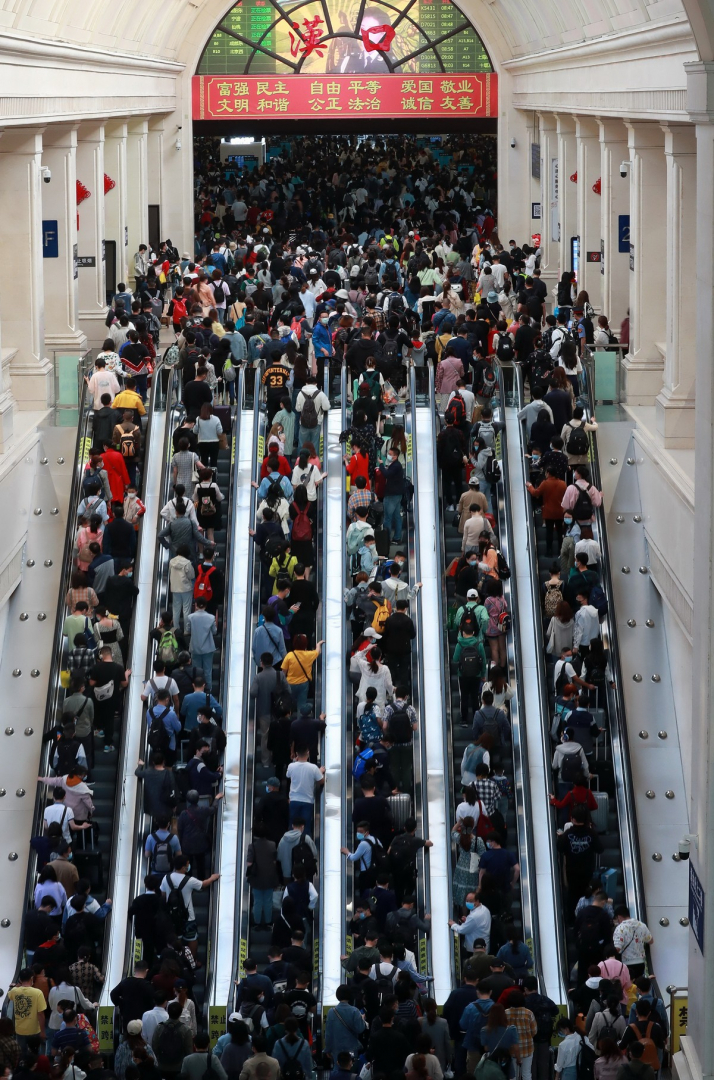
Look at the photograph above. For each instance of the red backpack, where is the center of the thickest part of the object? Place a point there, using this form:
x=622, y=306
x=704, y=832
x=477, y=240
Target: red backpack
x=179, y=311
x=302, y=526
x=456, y=410
x=202, y=586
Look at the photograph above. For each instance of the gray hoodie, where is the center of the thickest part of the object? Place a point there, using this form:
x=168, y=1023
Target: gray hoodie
x=288, y=842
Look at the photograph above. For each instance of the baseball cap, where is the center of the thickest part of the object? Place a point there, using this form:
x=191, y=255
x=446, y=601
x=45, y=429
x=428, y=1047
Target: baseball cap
x=134, y=1027
x=354, y=272
x=473, y=481
x=471, y=594
x=273, y=781
x=234, y=1016
x=371, y=633
x=313, y=273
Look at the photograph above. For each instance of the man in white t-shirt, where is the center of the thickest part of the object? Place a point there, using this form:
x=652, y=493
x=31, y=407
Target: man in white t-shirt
x=303, y=777
x=160, y=681
x=59, y=811
x=190, y=886
x=102, y=382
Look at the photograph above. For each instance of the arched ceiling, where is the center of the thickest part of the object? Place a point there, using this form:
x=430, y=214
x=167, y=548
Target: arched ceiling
x=178, y=29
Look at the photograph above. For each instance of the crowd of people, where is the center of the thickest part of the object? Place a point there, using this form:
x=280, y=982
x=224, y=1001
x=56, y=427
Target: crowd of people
x=370, y=256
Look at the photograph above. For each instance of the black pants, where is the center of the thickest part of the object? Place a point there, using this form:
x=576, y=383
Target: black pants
x=470, y=693
x=550, y=525
x=208, y=453
x=104, y=719
x=452, y=483
x=400, y=668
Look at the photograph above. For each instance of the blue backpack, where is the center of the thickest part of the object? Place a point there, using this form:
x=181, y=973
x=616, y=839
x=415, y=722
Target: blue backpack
x=599, y=600
x=360, y=762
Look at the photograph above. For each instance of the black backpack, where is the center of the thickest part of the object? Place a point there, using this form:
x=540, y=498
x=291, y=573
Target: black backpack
x=291, y=1069
x=470, y=663
x=159, y=738
x=583, y=509
x=504, y=349
x=161, y=855
x=578, y=443
x=400, y=726
x=304, y=859
x=384, y=984
x=585, y=1061
x=175, y=904
x=571, y=768
x=275, y=492
x=456, y=409
x=390, y=350
x=491, y=468
x=280, y=699
x=169, y=1048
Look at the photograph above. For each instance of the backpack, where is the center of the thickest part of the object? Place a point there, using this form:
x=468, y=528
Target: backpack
x=169, y=1049
x=176, y=905
x=90, y=642
x=491, y=468
x=371, y=377
x=302, y=526
x=608, y=1031
x=219, y=293
x=127, y=445
x=486, y=431
x=504, y=348
x=303, y=858
x=168, y=649
x=275, y=492
x=599, y=600
x=400, y=726
x=395, y=303
x=67, y=750
x=384, y=984
x=578, y=443
x=452, y=452
x=360, y=762
x=562, y=679
x=381, y=614
x=553, y=596
x=571, y=768
x=161, y=855
x=484, y=825
x=389, y=274
x=540, y=362
x=489, y=383
x=504, y=622
x=502, y=568
x=251, y=1014
x=456, y=410
x=371, y=278
x=171, y=356
x=202, y=586
x=563, y=335
x=470, y=663
x=583, y=509
x=390, y=350
x=490, y=726
x=229, y=371
x=206, y=501
x=179, y=311
x=90, y=477
x=308, y=416
x=296, y=327
x=291, y=1069
x=158, y=737
x=585, y=1062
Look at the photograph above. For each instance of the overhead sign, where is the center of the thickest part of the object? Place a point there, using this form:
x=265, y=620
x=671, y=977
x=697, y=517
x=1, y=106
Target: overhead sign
x=50, y=240
x=302, y=97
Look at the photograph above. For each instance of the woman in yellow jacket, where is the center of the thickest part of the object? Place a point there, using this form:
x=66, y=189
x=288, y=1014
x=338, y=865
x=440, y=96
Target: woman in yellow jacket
x=283, y=566
x=297, y=667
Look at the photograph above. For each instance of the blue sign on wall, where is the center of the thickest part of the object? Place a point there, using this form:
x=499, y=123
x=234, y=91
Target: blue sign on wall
x=623, y=233
x=696, y=907
x=50, y=240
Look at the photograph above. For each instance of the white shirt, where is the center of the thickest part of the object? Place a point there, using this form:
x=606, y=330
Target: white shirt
x=465, y=809
x=587, y=625
x=591, y=549
x=161, y=682
x=630, y=938
x=322, y=404
x=469, y=399
x=103, y=382
x=151, y=1020
x=168, y=512
x=303, y=776
x=568, y=1051
x=60, y=812
x=477, y=925
x=498, y=272
x=191, y=886
x=309, y=476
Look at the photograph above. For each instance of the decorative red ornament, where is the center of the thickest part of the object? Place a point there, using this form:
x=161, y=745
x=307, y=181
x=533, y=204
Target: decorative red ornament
x=82, y=192
x=108, y=183
x=378, y=38
x=574, y=178
x=597, y=186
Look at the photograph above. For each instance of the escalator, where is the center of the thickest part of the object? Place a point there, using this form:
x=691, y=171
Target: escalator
x=129, y=949
x=520, y=827
x=619, y=838
x=96, y=858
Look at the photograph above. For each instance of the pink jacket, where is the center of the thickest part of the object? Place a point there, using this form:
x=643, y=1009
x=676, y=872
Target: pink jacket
x=571, y=495
x=615, y=969
x=448, y=372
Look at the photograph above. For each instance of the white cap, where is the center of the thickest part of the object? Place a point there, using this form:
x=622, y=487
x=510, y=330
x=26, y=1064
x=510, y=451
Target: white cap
x=343, y=294
x=313, y=273
x=472, y=593
x=371, y=633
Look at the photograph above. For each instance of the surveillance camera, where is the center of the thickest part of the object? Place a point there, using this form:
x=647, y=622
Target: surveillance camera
x=684, y=845
x=46, y=174
x=624, y=166
x=178, y=144
x=513, y=144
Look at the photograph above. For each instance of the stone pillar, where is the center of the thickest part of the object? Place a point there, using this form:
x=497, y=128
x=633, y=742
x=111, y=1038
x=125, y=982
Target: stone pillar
x=115, y=208
x=549, y=220
x=644, y=363
x=698, y=1045
x=514, y=168
x=157, y=194
x=675, y=402
x=614, y=204
x=567, y=190
x=23, y=304
x=587, y=141
x=61, y=286
x=137, y=188
x=92, y=231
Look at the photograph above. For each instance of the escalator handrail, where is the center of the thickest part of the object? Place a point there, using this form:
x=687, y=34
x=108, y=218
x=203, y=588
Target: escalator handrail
x=224, y=695
x=558, y=891
x=347, y=697
x=445, y=653
x=619, y=742
x=420, y=768
x=521, y=775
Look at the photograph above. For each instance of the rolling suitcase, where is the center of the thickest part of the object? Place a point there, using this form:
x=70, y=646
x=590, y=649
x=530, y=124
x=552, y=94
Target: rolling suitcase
x=609, y=881
x=599, y=816
x=223, y=412
x=599, y=715
x=381, y=541
x=401, y=808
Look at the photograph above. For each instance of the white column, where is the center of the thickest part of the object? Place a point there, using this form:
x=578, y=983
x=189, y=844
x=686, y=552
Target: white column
x=168, y=178
x=567, y=190
x=137, y=188
x=115, y=206
x=699, y=1042
x=549, y=220
x=644, y=363
x=92, y=231
x=514, y=168
x=675, y=402
x=155, y=157
x=587, y=141
x=59, y=203
x=23, y=307
x=614, y=204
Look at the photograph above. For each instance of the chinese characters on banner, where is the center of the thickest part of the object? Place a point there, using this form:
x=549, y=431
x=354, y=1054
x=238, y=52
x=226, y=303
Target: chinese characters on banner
x=217, y=97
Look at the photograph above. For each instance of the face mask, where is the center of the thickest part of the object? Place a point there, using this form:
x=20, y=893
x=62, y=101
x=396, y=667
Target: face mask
x=360, y=836
x=324, y=318
x=470, y=905
x=472, y=562
x=267, y=789
x=568, y=521
x=361, y=915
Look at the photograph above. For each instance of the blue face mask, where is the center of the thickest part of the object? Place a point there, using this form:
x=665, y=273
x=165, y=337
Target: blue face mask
x=267, y=789
x=360, y=836
x=361, y=915
x=470, y=905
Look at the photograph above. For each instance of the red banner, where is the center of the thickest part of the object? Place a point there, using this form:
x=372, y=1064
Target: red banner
x=302, y=97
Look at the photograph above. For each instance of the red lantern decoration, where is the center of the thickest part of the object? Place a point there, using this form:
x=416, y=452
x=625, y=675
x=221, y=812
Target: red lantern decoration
x=574, y=178
x=109, y=184
x=597, y=186
x=82, y=192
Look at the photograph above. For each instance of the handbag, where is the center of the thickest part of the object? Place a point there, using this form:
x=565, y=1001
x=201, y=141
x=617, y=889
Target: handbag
x=223, y=441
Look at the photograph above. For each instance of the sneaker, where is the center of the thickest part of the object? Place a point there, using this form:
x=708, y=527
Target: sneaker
x=99, y=734
x=108, y=749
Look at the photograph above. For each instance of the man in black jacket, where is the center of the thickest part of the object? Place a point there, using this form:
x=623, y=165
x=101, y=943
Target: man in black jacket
x=134, y=995
x=451, y=457
x=197, y=392
x=159, y=793
x=396, y=644
x=118, y=597
x=150, y=919
x=388, y=1049
x=192, y=831
x=39, y=926
x=273, y=810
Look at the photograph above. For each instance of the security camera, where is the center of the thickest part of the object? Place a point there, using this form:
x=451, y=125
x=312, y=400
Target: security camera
x=624, y=166
x=46, y=174
x=684, y=847
x=513, y=144
x=178, y=143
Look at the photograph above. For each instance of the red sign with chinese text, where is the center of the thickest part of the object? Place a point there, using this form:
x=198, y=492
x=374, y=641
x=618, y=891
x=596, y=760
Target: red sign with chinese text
x=227, y=97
